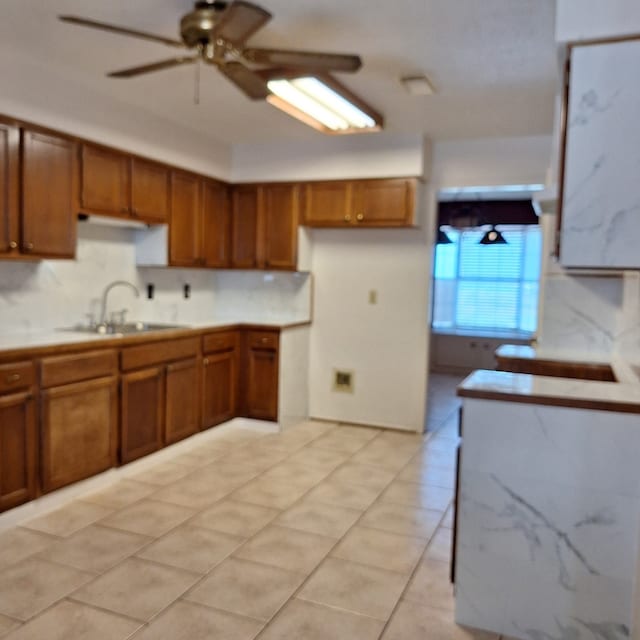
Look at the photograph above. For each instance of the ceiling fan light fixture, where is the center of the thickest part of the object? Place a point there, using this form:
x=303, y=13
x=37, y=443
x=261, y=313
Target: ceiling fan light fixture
x=418, y=85
x=321, y=102
x=493, y=236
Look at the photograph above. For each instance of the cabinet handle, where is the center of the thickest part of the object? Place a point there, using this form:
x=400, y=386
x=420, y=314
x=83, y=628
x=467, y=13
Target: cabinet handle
x=13, y=245
x=28, y=246
x=205, y=362
x=264, y=340
x=13, y=377
x=347, y=217
x=360, y=217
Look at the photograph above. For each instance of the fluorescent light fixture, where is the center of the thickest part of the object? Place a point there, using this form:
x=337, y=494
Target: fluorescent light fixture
x=501, y=192
x=321, y=102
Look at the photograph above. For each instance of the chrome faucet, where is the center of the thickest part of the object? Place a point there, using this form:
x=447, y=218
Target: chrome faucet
x=105, y=293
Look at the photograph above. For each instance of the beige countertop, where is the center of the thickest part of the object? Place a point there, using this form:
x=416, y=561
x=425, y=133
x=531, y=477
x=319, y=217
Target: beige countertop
x=52, y=338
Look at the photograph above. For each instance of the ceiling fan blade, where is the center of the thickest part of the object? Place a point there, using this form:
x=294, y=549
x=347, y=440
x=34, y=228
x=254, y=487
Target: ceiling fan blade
x=249, y=82
x=240, y=21
x=148, y=68
x=307, y=59
x=121, y=30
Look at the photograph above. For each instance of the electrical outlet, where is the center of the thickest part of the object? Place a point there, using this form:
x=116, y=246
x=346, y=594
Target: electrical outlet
x=187, y=291
x=343, y=380
x=373, y=296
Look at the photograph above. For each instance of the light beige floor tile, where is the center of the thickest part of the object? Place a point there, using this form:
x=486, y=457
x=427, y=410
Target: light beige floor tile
x=425, y=473
x=380, y=549
x=419, y=495
x=195, y=493
x=69, y=519
x=430, y=583
x=195, y=458
x=302, y=620
x=355, y=496
x=278, y=494
x=301, y=475
x=247, y=588
x=342, y=440
x=325, y=459
x=253, y=457
x=402, y=439
x=74, y=621
x=223, y=472
x=33, y=585
x=8, y=624
x=162, y=474
x=137, y=588
x=18, y=544
x=381, y=453
x=369, y=476
x=402, y=519
x=355, y=587
x=359, y=431
x=286, y=548
x=236, y=518
x=95, y=548
x=312, y=427
x=447, y=521
x=317, y=517
x=412, y=621
x=440, y=546
x=436, y=458
x=120, y=494
x=192, y=548
x=148, y=518
x=188, y=621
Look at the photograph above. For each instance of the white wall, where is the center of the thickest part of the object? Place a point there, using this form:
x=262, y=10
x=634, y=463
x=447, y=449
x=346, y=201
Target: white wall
x=33, y=93
x=586, y=19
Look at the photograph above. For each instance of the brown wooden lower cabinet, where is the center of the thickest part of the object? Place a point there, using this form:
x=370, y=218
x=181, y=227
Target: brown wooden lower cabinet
x=18, y=446
x=261, y=375
x=182, y=400
x=79, y=430
x=141, y=413
x=219, y=396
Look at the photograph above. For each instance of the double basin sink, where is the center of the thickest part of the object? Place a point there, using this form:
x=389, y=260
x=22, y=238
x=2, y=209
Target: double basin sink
x=123, y=329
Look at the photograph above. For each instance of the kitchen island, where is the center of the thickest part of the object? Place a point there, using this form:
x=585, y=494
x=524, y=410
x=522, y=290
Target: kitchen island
x=548, y=515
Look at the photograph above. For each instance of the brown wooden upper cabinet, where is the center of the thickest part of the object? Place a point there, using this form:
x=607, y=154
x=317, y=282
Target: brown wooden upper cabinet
x=38, y=193
x=265, y=226
x=49, y=195
x=117, y=184
x=200, y=222
x=360, y=203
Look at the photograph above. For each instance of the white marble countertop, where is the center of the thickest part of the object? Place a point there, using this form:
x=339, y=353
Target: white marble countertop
x=564, y=392
x=59, y=337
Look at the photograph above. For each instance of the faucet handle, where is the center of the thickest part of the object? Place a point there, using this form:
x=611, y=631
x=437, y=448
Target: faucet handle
x=91, y=318
x=120, y=315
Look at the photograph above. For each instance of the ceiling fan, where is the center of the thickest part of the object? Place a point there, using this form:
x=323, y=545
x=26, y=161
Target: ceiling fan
x=216, y=33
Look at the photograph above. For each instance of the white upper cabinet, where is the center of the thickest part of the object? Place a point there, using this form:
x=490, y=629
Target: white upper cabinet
x=600, y=220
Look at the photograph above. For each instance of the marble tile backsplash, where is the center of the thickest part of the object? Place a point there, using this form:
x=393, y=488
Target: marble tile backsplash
x=53, y=294
x=595, y=313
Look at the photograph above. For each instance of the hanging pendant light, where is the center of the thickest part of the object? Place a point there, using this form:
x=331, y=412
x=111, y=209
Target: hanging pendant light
x=443, y=238
x=493, y=236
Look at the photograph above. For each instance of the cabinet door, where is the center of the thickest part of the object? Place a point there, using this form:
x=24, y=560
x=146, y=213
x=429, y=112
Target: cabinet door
x=49, y=195
x=244, y=229
x=17, y=450
x=182, y=400
x=219, y=378
x=79, y=431
x=9, y=177
x=105, y=180
x=149, y=190
x=184, y=235
x=280, y=207
x=384, y=203
x=262, y=384
x=216, y=224
x=142, y=413
x=327, y=204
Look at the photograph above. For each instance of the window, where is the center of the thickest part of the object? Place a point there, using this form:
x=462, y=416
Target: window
x=489, y=288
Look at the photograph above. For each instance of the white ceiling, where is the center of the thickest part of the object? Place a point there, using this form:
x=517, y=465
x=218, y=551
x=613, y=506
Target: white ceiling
x=493, y=62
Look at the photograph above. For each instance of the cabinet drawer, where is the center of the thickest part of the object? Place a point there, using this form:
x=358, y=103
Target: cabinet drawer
x=222, y=341
x=263, y=339
x=61, y=370
x=15, y=376
x=157, y=352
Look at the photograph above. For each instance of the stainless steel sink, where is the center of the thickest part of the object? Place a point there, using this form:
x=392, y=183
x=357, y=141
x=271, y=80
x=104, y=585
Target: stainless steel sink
x=124, y=329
